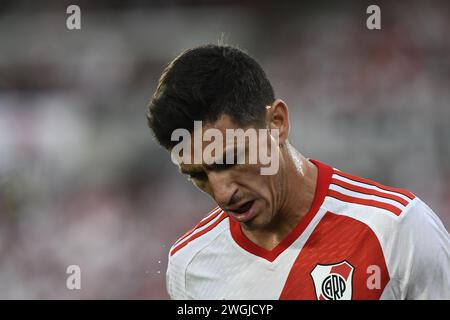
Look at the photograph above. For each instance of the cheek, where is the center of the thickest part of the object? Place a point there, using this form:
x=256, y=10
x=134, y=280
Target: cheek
x=258, y=184
x=268, y=189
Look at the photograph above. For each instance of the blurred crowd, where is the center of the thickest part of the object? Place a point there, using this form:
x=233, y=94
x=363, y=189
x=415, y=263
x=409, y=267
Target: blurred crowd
x=83, y=183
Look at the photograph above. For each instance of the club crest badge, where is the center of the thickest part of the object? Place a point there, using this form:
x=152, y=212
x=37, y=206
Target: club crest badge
x=333, y=281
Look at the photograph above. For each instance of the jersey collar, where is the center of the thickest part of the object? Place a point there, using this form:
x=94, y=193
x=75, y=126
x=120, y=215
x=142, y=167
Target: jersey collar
x=323, y=181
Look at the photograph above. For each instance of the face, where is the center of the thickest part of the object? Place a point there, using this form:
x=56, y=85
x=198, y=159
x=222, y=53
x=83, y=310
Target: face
x=249, y=197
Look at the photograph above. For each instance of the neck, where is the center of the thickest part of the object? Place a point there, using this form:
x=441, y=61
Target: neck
x=299, y=174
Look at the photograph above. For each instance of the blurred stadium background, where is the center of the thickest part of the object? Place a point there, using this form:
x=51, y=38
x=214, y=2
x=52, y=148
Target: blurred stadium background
x=81, y=180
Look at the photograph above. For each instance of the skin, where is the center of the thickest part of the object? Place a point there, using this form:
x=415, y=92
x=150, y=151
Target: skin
x=281, y=200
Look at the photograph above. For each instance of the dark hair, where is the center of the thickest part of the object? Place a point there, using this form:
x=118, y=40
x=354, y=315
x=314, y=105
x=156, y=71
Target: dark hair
x=205, y=83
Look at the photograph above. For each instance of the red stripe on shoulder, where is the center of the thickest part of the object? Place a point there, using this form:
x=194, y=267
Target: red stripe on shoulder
x=210, y=216
x=368, y=191
x=198, y=234
x=367, y=202
x=406, y=193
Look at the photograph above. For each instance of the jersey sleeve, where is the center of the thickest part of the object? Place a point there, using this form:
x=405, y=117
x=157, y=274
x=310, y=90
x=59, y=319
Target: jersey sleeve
x=424, y=244
x=175, y=280
x=168, y=283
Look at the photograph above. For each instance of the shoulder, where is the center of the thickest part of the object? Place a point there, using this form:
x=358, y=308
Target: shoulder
x=408, y=231
x=200, y=235
x=368, y=195
x=188, y=247
x=379, y=206
x=381, y=209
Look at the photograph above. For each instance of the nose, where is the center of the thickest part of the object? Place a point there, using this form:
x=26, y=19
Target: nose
x=222, y=188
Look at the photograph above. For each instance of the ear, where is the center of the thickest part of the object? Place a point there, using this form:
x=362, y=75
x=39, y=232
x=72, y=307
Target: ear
x=277, y=117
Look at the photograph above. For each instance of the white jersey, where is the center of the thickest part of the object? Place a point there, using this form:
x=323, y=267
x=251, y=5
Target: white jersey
x=360, y=240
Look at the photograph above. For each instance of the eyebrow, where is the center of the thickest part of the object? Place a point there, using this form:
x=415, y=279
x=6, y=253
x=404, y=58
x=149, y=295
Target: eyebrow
x=217, y=166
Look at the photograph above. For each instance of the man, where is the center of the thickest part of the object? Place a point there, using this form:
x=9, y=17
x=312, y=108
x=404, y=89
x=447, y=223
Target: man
x=307, y=231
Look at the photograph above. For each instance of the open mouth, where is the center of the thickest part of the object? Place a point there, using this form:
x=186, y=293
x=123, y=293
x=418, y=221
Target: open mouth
x=244, y=213
x=245, y=207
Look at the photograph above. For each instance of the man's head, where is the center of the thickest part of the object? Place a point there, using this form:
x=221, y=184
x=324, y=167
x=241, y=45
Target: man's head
x=225, y=89
x=205, y=83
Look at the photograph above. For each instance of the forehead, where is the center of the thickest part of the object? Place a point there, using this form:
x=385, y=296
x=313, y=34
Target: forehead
x=222, y=124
